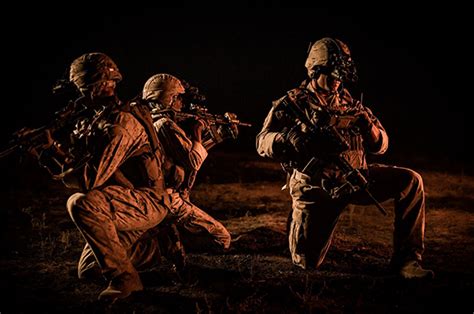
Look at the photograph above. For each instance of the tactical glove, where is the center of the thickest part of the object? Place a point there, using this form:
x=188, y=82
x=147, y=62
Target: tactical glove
x=364, y=122
x=297, y=140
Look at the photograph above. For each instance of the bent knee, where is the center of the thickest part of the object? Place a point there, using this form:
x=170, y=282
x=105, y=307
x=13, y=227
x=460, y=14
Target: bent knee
x=414, y=178
x=226, y=239
x=93, y=202
x=220, y=234
x=73, y=203
x=417, y=178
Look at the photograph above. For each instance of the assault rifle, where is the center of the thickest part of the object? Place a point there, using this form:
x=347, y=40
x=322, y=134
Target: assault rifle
x=193, y=100
x=26, y=138
x=354, y=180
x=201, y=112
x=219, y=127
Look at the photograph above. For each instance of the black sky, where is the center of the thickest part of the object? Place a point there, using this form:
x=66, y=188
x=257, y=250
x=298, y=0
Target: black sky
x=243, y=59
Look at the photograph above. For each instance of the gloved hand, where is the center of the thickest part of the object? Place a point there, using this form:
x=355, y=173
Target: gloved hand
x=364, y=122
x=297, y=139
x=368, y=132
x=304, y=146
x=227, y=131
x=232, y=129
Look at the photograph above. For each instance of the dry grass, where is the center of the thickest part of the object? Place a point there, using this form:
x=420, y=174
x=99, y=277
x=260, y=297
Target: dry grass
x=256, y=275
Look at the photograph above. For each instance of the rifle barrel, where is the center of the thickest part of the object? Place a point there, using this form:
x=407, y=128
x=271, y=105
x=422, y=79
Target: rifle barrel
x=245, y=124
x=8, y=151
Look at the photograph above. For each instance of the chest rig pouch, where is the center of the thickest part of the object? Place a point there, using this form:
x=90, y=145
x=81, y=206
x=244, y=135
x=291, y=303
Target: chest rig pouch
x=144, y=168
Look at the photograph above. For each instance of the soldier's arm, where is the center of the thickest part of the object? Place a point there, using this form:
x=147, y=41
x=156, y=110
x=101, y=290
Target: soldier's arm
x=270, y=141
x=375, y=136
x=123, y=138
x=187, y=153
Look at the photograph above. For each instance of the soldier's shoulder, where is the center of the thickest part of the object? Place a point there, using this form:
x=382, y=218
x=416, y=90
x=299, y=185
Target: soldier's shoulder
x=297, y=92
x=125, y=119
x=292, y=94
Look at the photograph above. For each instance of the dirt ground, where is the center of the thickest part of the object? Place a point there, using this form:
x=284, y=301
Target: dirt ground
x=40, y=247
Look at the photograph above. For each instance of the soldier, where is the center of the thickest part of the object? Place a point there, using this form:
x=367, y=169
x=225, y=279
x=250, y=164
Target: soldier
x=115, y=159
x=319, y=197
x=183, y=157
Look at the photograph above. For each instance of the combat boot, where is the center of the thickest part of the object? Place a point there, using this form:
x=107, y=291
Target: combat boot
x=413, y=270
x=122, y=286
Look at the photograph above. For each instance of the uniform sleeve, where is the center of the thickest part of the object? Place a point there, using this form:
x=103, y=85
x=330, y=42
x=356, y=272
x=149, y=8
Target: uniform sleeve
x=184, y=152
x=121, y=140
x=270, y=140
x=381, y=146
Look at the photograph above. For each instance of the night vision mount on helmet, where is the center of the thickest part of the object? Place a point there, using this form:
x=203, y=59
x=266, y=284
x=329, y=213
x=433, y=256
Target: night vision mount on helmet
x=162, y=88
x=331, y=57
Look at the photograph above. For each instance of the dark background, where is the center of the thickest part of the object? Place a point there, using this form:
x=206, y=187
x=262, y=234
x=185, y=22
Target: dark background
x=410, y=62
x=413, y=64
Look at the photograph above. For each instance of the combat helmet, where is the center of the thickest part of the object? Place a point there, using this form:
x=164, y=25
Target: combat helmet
x=92, y=68
x=162, y=88
x=332, y=57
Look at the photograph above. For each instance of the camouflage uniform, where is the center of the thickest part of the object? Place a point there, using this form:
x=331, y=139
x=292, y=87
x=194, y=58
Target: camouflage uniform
x=314, y=212
x=117, y=206
x=145, y=248
x=183, y=158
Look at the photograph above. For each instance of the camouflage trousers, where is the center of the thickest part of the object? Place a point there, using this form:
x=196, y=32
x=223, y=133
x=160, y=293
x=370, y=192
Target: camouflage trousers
x=315, y=214
x=111, y=219
x=146, y=249
x=197, y=222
